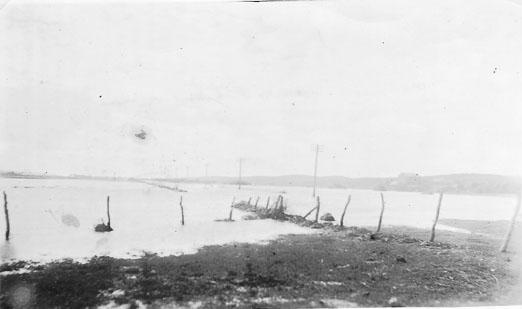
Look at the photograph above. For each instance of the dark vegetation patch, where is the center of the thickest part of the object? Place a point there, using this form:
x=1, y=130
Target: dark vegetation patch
x=346, y=265
x=296, y=270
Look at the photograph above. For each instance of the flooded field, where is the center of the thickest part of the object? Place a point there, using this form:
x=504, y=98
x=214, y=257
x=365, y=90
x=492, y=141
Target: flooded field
x=147, y=218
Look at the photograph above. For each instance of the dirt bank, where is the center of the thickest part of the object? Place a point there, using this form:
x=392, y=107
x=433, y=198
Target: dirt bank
x=348, y=267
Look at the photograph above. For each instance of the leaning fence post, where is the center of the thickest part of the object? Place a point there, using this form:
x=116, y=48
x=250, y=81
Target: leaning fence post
x=344, y=211
x=432, y=237
x=182, y=212
x=257, y=200
x=380, y=216
x=7, y=226
x=231, y=209
x=308, y=213
x=511, y=226
x=318, y=208
x=267, y=202
x=249, y=200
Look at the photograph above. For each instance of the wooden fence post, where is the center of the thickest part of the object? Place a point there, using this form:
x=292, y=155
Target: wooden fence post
x=344, y=211
x=432, y=237
x=231, y=209
x=249, y=200
x=380, y=216
x=108, y=213
x=7, y=225
x=182, y=212
x=277, y=203
x=504, y=246
x=318, y=208
x=257, y=200
x=267, y=202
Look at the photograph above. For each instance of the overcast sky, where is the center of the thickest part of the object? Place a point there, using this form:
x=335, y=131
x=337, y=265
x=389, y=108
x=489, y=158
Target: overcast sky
x=431, y=87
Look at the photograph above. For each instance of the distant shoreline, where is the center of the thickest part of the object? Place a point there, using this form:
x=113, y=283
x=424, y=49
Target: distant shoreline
x=462, y=184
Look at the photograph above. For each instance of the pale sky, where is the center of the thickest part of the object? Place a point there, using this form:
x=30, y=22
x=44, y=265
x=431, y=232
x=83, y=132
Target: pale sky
x=431, y=87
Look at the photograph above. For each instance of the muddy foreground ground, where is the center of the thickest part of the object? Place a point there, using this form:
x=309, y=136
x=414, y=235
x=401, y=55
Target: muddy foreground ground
x=333, y=268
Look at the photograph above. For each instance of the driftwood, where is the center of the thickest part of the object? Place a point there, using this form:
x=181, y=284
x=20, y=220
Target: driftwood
x=380, y=216
x=504, y=246
x=280, y=215
x=279, y=210
x=7, y=225
x=432, y=237
x=344, y=211
x=182, y=212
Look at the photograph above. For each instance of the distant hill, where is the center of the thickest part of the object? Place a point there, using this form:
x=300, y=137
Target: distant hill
x=453, y=183
x=456, y=183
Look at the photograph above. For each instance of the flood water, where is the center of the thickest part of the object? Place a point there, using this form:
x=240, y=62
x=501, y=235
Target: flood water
x=147, y=218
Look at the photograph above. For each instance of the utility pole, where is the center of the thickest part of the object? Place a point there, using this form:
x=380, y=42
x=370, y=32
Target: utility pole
x=239, y=180
x=315, y=168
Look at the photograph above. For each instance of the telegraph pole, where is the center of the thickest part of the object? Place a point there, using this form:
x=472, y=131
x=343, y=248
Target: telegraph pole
x=315, y=168
x=239, y=180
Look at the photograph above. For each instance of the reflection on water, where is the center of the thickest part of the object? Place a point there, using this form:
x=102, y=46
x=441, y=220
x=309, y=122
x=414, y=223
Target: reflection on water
x=7, y=251
x=55, y=218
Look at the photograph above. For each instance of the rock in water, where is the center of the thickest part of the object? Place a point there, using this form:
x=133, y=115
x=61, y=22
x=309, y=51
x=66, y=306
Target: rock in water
x=327, y=217
x=394, y=302
x=102, y=227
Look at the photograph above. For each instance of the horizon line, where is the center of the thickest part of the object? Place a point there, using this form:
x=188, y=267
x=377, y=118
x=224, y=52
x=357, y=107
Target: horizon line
x=14, y=173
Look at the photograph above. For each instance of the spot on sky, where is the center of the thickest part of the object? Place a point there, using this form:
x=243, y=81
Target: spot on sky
x=141, y=135
x=70, y=220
